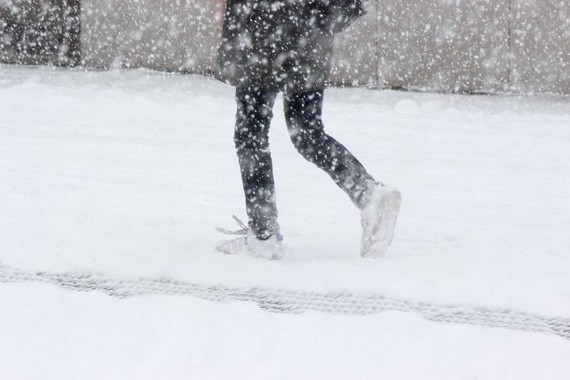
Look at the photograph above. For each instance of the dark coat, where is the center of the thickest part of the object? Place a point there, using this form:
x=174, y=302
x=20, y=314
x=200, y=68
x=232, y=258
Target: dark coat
x=282, y=44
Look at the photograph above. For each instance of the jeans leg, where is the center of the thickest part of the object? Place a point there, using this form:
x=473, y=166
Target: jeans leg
x=253, y=118
x=303, y=113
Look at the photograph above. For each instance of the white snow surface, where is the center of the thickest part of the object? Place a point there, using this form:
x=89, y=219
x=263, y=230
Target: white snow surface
x=127, y=173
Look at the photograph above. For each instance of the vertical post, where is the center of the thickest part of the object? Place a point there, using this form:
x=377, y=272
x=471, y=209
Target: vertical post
x=70, y=45
x=510, y=47
x=377, y=47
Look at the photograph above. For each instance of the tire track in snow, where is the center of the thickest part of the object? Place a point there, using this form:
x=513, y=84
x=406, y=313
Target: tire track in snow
x=291, y=301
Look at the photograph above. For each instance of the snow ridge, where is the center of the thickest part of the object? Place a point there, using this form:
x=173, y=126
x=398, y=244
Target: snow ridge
x=291, y=301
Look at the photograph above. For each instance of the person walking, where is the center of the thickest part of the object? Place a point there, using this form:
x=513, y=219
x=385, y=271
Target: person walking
x=272, y=46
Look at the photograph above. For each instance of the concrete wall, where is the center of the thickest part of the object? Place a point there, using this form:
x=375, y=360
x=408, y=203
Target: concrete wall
x=441, y=45
x=177, y=35
x=355, y=62
x=540, y=47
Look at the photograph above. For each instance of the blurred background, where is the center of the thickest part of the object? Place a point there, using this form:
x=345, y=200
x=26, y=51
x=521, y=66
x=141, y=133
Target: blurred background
x=461, y=46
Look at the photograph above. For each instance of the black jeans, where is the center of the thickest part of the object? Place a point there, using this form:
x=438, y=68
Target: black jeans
x=303, y=116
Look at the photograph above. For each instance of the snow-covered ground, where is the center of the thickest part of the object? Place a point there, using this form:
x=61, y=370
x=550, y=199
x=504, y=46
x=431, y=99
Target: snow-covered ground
x=127, y=173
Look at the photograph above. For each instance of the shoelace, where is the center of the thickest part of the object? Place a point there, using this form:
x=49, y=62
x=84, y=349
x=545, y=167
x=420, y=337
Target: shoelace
x=243, y=231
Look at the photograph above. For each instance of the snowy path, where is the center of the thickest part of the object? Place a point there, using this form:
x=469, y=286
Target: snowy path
x=288, y=301
x=125, y=174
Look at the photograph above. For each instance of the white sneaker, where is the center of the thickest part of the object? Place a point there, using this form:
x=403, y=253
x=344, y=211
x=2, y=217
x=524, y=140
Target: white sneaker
x=249, y=244
x=270, y=249
x=378, y=219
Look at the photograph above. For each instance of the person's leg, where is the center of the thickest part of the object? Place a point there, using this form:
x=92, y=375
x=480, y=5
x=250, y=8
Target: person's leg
x=303, y=115
x=253, y=118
